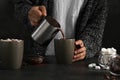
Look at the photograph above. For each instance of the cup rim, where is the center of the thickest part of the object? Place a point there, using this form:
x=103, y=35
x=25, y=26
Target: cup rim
x=68, y=39
x=65, y=39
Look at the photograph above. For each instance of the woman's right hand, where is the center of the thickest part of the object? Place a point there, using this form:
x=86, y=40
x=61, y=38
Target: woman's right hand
x=36, y=13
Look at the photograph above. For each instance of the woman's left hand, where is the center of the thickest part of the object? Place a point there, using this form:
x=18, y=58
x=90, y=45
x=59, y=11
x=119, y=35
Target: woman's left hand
x=80, y=53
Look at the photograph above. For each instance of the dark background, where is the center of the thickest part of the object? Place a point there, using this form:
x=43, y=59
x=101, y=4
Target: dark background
x=11, y=28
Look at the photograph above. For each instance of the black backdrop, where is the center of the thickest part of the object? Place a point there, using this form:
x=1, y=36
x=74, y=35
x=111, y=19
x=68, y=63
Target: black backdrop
x=11, y=28
x=111, y=36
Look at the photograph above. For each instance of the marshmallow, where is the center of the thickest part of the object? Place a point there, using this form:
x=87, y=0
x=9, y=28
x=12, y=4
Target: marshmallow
x=107, y=54
x=10, y=40
x=97, y=67
x=6, y=40
x=91, y=65
x=111, y=51
x=103, y=49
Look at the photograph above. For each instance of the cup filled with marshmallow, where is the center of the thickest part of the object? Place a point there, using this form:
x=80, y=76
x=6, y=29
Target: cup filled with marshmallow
x=109, y=60
x=11, y=53
x=105, y=56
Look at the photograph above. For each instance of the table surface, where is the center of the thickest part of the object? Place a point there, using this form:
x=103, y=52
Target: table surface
x=52, y=71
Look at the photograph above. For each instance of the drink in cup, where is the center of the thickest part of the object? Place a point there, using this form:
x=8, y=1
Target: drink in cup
x=64, y=49
x=11, y=52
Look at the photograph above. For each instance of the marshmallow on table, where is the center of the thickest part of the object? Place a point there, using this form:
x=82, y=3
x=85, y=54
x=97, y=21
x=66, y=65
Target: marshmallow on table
x=97, y=67
x=90, y=66
x=93, y=65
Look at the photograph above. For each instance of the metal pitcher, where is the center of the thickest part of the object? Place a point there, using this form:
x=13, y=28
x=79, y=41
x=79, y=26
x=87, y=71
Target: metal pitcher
x=46, y=31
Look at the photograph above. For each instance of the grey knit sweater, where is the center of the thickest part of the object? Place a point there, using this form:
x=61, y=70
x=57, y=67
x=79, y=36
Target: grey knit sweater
x=89, y=26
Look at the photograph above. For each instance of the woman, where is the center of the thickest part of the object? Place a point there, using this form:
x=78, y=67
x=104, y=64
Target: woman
x=83, y=20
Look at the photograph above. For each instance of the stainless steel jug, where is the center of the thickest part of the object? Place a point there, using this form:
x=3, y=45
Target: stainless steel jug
x=46, y=31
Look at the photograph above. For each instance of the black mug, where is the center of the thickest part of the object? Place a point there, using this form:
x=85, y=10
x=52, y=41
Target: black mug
x=11, y=53
x=46, y=31
x=64, y=50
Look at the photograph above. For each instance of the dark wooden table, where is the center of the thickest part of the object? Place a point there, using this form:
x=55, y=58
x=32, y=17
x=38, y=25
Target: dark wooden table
x=52, y=71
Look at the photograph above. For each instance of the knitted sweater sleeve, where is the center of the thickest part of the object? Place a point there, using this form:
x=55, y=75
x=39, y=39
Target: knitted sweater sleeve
x=93, y=32
x=22, y=8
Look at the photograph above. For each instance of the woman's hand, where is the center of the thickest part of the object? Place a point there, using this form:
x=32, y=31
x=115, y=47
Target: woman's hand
x=36, y=13
x=80, y=52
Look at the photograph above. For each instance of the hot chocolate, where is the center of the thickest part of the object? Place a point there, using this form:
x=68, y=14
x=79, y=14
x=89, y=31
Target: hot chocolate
x=63, y=35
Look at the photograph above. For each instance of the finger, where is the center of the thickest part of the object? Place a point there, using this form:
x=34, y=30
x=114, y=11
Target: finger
x=79, y=42
x=43, y=10
x=35, y=12
x=39, y=13
x=37, y=16
x=80, y=50
x=80, y=54
x=73, y=60
x=34, y=23
x=34, y=18
x=79, y=57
